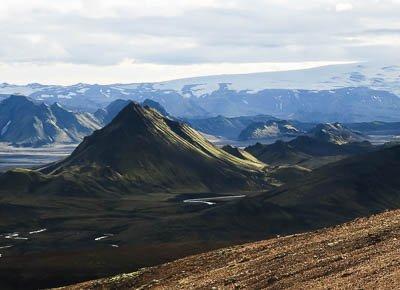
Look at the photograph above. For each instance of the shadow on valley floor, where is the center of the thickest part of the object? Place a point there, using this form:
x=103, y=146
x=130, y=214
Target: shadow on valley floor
x=82, y=239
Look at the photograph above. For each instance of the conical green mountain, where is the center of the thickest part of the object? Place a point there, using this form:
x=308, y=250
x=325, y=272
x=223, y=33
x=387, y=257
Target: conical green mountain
x=143, y=151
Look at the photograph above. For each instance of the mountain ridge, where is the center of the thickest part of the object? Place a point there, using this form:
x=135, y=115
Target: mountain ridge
x=26, y=123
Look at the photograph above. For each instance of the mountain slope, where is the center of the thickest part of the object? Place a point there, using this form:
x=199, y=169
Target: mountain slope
x=361, y=185
x=141, y=151
x=156, y=106
x=363, y=253
x=269, y=129
x=336, y=133
x=226, y=127
x=306, y=151
x=26, y=123
x=240, y=153
x=106, y=115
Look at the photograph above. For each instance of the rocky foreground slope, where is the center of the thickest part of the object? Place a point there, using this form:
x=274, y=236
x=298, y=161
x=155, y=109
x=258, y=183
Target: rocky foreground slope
x=362, y=254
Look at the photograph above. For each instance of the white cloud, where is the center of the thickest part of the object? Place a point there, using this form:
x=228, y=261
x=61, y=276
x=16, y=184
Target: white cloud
x=340, y=7
x=129, y=71
x=209, y=33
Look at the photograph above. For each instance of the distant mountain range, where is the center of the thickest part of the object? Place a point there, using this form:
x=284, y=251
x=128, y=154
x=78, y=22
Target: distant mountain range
x=29, y=123
x=42, y=124
x=329, y=132
x=306, y=151
x=344, y=93
x=323, y=144
x=26, y=123
x=226, y=127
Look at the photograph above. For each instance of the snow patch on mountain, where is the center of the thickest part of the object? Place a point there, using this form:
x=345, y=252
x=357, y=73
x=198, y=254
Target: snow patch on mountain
x=5, y=128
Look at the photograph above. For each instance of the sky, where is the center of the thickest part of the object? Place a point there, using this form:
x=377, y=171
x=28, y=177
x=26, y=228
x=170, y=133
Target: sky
x=126, y=41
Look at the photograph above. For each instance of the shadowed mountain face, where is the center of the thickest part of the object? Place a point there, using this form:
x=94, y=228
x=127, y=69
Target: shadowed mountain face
x=226, y=127
x=25, y=123
x=306, y=151
x=141, y=151
x=106, y=115
x=335, y=193
x=156, y=106
x=357, y=186
x=240, y=153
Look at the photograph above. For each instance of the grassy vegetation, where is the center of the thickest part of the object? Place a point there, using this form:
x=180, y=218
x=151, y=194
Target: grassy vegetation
x=130, y=181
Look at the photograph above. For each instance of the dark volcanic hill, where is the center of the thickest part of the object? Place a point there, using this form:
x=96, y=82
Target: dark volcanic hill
x=360, y=185
x=26, y=123
x=142, y=151
x=336, y=133
x=306, y=151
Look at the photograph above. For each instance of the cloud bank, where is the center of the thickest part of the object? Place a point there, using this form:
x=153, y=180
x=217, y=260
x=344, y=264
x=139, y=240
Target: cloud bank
x=164, y=37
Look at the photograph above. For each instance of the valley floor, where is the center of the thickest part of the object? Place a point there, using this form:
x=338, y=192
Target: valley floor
x=27, y=157
x=362, y=254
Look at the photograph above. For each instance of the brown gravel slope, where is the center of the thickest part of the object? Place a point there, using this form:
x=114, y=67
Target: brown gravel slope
x=364, y=253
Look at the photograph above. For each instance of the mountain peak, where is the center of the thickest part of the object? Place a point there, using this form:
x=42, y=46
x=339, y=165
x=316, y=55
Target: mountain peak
x=148, y=149
x=134, y=114
x=335, y=133
x=156, y=106
x=29, y=123
x=17, y=98
x=56, y=105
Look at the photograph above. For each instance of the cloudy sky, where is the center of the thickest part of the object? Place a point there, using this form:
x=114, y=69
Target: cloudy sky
x=107, y=41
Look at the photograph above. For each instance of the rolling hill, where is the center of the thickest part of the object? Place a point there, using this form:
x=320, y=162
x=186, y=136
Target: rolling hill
x=360, y=185
x=306, y=151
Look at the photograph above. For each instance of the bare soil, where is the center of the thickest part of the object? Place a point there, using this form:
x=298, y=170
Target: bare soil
x=362, y=254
